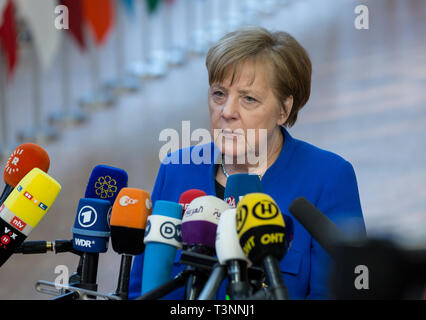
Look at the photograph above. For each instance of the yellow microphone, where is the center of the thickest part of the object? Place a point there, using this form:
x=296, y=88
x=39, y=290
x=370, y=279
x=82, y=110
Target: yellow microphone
x=24, y=208
x=261, y=231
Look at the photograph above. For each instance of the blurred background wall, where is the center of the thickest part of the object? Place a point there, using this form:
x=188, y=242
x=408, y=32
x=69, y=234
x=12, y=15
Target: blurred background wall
x=368, y=101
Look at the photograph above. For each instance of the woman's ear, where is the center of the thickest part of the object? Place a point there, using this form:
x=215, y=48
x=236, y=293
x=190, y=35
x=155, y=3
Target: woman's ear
x=285, y=110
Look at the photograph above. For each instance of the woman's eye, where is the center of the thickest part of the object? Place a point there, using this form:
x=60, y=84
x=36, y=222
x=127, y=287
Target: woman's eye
x=249, y=99
x=218, y=93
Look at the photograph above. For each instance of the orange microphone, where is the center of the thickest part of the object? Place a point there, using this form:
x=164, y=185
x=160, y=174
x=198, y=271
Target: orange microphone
x=22, y=160
x=128, y=221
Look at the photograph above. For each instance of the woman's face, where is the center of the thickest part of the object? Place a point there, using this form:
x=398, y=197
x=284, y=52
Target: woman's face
x=247, y=103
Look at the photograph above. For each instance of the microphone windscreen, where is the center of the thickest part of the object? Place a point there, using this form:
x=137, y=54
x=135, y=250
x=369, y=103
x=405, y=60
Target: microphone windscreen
x=240, y=184
x=199, y=223
x=162, y=238
x=105, y=183
x=32, y=198
x=189, y=195
x=228, y=246
x=91, y=230
x=128, y=220
x=22, y=160
x=316, y=223
x=261, y=228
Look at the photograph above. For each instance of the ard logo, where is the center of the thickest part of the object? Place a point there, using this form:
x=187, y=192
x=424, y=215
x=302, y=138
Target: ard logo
x=265, y=210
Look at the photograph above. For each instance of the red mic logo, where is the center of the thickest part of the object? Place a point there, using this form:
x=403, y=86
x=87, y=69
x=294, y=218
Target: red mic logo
x=18, y=223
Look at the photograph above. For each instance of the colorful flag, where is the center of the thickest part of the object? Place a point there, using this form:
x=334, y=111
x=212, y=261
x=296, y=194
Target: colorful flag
x=153, y=5
x=76, y=21
x=40, y=16
x=8, y=36
x=99, y=14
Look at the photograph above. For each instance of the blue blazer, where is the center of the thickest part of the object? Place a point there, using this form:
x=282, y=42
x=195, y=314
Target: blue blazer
x=301, y=170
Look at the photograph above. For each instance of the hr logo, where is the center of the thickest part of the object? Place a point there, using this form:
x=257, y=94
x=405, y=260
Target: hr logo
x=87, y=216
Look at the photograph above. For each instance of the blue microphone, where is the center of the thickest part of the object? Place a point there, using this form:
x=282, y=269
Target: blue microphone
x=162, y=238
x=91, y=230
x=240, y=184
x=105, y=183
x=90, y=236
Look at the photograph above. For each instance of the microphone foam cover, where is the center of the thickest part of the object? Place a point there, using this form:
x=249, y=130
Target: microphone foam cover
x=199, y=222
x=227, y=243
x=128, y=220
x=91, y=230
x=260, y=227
x=240, y=184
x=105, y=183
x=33, y=197
x=22, y=160
x=189, y=195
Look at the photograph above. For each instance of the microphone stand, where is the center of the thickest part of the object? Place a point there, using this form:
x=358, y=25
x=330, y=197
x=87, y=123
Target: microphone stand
x=123, y=281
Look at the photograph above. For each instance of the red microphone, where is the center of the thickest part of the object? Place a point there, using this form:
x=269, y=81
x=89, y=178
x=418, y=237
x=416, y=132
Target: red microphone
x=22, y=160
x=189, y=195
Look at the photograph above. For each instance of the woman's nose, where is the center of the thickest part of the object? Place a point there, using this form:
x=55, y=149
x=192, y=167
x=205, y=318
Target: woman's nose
x=230, y=109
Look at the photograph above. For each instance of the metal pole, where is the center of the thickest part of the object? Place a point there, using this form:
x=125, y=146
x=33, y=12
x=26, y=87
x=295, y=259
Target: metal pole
x=40, y=132
x=98, y=98
x=4, y=139
x=67, y=117
x=148, y=67
x=123, y=83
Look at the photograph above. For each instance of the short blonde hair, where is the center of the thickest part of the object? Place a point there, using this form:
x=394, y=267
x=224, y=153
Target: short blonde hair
x=291, y=65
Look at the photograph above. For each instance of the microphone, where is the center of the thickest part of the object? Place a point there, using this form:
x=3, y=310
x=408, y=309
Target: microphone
x=189, y=195
x=105, y=183
x=22, y=160
x=162, y=238
x=261, y=231
x=90, y=236
x=24, y=208
x=230, y=253
x=317, y=224
x=128, y=220
x=238, y=185
x=199, y=225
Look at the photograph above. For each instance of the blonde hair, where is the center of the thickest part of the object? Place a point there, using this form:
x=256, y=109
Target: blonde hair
x=291, y=65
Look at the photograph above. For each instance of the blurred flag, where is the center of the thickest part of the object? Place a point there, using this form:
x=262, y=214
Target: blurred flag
x=40, y=16
x=153, y=5
x=129, y=5
x=8, y=35
x=99, y=14
x=76, y=21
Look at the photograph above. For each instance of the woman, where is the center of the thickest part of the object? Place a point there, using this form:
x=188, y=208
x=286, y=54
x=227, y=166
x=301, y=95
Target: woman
x=258, y=83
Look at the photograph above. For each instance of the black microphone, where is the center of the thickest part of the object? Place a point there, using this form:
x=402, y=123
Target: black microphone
x=261, y=230
x=128, y=221
x=317, y=224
